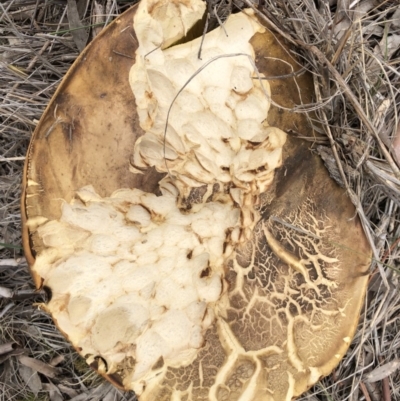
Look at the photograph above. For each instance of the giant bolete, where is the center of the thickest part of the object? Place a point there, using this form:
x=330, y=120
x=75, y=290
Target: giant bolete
x=192, y=248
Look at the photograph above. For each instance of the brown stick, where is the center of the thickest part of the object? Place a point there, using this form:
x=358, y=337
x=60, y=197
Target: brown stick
x=365, y=391
x=386, y=389
x=385, y=385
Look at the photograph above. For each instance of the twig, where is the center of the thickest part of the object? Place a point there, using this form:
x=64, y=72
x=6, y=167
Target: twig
x=11, y=159
x=365, y=391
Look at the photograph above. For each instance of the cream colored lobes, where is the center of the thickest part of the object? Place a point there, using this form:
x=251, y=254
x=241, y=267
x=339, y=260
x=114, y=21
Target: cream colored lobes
x=208, y=123
x=132, y=277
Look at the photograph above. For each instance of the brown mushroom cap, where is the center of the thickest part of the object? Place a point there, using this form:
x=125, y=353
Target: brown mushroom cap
x=294, y=291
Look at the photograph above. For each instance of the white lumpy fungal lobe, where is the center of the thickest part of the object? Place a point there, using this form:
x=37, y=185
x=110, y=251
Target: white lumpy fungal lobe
x=205, y=119
x=151, y=287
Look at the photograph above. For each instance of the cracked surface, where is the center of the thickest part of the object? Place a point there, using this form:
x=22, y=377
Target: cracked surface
x=282, y=328
x=235, y=283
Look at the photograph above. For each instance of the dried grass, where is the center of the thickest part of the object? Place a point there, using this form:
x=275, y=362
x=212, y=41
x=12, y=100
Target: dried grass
x=353, y=51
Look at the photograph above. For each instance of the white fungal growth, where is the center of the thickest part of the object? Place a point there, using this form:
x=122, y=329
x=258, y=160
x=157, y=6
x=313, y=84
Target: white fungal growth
x=133, y=278
x=137, y=275
x=205, y=120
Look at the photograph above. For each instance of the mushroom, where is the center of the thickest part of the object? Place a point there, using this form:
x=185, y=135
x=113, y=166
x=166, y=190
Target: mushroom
x=226, y=265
